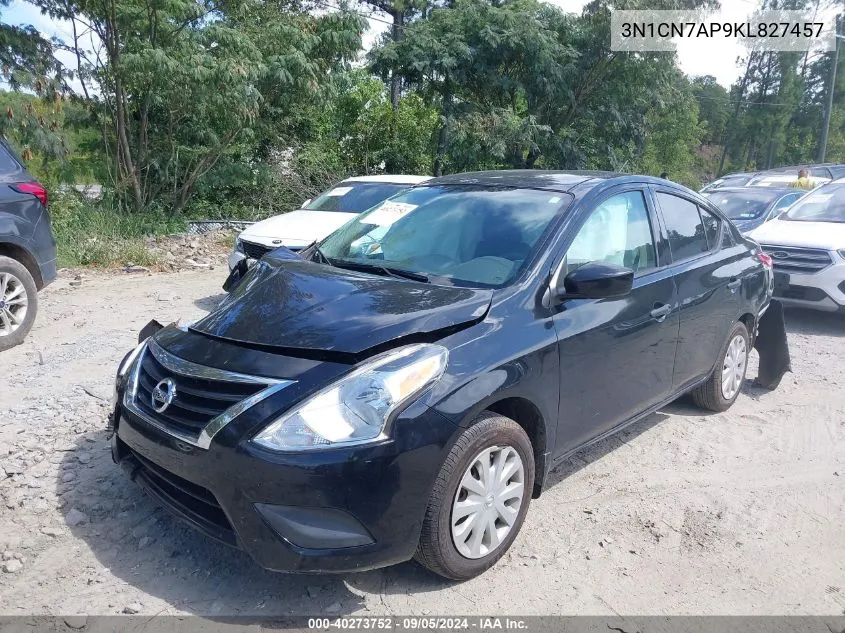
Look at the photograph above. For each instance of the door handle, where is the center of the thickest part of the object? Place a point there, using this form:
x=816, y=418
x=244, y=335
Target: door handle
x=734, y=284
x=660, y=312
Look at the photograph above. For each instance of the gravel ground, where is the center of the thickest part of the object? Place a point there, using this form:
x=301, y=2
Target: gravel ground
x=684, y=513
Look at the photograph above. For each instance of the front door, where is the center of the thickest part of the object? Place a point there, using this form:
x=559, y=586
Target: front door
x=616, y=355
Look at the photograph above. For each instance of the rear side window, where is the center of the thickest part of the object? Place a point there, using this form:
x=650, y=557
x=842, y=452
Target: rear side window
x=7, y=163
x=686, y=230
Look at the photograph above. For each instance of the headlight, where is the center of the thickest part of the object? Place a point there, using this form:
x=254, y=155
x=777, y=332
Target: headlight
x=129, y=360
x=123, y=370
x=356, y=408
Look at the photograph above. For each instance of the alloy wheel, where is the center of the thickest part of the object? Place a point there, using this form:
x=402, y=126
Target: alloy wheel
x=487, y=501
x=733, y=368
x=13, y=303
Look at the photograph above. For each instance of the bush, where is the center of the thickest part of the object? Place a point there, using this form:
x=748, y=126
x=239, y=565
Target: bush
x=96, y=234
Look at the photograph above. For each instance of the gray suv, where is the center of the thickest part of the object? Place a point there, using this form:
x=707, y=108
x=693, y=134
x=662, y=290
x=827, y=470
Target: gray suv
x=27, y=248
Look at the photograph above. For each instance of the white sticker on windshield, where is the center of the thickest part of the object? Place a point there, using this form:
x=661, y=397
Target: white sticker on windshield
x=554, y=199
x=389, y=212
x=339, y=191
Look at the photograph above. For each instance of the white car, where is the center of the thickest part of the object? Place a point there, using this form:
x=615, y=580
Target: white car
x=318, y=217
x=807, y=247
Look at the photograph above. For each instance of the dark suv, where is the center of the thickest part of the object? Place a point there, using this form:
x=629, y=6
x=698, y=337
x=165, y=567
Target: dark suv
x=27, y=248
x=403, y=388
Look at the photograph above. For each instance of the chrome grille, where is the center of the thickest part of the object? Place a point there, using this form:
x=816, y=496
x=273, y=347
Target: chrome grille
x=205, y=399
x=793, y=259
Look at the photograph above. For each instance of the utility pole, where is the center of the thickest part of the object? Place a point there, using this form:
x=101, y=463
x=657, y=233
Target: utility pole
x=828, y=106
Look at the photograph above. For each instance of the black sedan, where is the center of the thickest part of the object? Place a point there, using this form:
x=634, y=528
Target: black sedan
x=403, y=389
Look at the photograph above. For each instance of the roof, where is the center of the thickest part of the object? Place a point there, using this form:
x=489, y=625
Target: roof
x=772, y=190
x=399, y=179
x=528, y=178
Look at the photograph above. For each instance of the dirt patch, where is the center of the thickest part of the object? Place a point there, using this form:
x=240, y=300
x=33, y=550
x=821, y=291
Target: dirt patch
x=683, y=513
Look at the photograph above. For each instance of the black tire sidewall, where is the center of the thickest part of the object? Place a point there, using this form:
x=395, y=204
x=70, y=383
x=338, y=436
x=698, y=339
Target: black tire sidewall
x=496, y=431
x=9, y=265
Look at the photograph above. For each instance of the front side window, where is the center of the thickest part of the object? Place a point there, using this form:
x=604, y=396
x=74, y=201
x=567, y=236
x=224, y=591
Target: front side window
x=684, y=225
x=476, y=236
x=354, y=197
x=617, y=232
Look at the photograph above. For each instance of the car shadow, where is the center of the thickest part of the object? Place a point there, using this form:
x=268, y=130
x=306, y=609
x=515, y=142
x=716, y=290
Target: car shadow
x=594, y=452
x=139, y=542
x=814, y=322
x=211, y=302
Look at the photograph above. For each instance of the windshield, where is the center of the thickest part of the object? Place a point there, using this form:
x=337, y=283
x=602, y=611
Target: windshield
x=823, y=205
x=468, y=235
x=354, y=197
x=743, y=205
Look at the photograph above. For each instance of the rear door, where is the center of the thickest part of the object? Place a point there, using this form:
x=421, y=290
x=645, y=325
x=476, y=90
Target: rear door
x=708, y=269
x=616, y=355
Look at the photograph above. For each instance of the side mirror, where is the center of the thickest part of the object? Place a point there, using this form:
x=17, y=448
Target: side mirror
x=596, y=280
x=305, y=204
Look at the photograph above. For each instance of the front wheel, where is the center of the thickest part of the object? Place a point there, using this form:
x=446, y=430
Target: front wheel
x=18, y=302
x=479, y=500
x=722, y=388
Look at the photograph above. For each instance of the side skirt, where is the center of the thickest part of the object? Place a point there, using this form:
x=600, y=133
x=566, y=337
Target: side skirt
x=633, y=420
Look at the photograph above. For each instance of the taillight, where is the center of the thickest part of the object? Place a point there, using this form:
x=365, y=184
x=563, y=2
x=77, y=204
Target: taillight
x=766, y=260
x=35, y=188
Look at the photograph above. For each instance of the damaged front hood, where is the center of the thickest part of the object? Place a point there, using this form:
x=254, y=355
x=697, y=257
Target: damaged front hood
x=300, y=306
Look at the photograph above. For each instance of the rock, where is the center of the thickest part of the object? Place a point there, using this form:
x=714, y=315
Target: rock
x=75, y=283
x=132, y=609
x=75, y=621
x=334, y=607
x=135, y=269
x=84, y=457
x=145, y=540
x=76, y=517
x=12, y=566
x=52, y=531
x=8, y=555
x=68, y=476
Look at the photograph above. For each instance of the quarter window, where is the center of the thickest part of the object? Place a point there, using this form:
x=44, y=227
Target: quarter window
x=617, y=232
x=712, y=227
x=683, y=223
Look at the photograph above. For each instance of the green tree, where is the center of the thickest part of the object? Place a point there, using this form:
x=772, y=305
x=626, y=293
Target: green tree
x=182, y=83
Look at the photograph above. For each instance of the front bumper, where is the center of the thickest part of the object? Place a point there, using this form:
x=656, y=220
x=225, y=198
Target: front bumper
x=824, y=290
x=336, y=510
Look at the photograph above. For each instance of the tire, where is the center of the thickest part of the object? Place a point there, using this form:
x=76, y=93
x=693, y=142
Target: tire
x=711, y=395
x=496, y=438
x=18, y=299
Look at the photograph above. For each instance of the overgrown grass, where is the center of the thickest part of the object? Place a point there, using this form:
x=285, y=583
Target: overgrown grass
x=96, y=234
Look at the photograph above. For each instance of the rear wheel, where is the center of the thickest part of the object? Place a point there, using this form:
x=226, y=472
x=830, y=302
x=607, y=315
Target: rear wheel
x=18, y=302
x=479, y=500
x=722, y=388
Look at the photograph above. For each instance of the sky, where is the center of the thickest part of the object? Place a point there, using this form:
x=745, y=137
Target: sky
x=696, y=57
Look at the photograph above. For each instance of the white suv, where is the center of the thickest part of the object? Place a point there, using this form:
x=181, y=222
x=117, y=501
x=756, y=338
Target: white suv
x=807, y=247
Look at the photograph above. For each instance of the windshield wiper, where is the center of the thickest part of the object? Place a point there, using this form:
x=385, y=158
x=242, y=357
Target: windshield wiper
x=383, y=270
